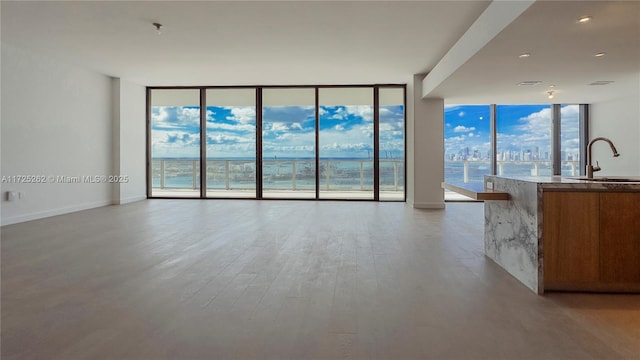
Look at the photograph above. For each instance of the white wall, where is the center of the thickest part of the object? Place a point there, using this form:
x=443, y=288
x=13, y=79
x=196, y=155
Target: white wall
x=56, y=121
x=618, y=120
x=426, y=159
x=129, y=132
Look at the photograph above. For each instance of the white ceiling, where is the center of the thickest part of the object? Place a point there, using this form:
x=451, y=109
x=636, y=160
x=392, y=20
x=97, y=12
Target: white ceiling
x=338, y=42
x=561, y=54
x=242, y=42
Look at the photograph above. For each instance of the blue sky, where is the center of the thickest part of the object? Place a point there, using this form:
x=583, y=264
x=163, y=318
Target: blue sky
x=519, y=126
x=288, y=131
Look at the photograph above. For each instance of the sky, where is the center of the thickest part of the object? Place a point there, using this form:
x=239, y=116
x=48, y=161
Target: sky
x=518, y=127
x=287, y=131
x=347, y=131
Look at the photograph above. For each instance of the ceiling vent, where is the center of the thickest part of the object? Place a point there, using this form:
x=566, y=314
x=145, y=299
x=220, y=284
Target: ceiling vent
x=601, y=82
x=530, y=83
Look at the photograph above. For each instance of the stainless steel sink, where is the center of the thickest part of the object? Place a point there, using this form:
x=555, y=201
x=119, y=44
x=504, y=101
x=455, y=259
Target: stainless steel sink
x=631, y=179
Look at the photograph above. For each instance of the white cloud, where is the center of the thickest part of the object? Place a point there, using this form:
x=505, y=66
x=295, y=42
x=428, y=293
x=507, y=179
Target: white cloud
x=339, y=114
x=461, y=128
x=365, y=111
x=175, y=116
x=230, y=127
x=339, y=127
x=385, y=111
x=285, y=136
x=366, y=130
x=174, y=143
x=461, y=113
x=188, y=115
x=226, y=138
x=279, y=126
x=242, y=114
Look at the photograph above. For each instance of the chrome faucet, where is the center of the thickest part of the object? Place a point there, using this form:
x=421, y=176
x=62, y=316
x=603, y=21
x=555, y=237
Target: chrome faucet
x=590, y=168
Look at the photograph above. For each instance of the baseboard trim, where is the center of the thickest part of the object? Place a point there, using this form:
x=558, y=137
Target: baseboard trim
x=54, y=212
x=130, y=199
x=429, y=205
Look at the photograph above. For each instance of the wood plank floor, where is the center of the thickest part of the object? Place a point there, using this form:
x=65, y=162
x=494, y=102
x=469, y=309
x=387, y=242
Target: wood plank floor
x=193, y=279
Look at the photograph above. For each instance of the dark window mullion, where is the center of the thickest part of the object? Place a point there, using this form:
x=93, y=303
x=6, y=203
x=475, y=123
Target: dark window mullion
x=556, y=160
x=404, y=155
x=376, y=143
x=148, y=148
x=494, y=138
x=259, y=143
x=317, y=144
x=584, y=136
x=203, y=143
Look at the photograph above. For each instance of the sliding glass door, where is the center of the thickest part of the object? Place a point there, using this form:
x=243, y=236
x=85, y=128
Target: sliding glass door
x=346, y=143
x=288, y=143
x=231, y=143
x=175, y=143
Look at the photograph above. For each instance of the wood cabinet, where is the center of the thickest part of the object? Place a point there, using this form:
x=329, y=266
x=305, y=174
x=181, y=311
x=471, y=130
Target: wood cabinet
x=620, y=237
x=591, y=241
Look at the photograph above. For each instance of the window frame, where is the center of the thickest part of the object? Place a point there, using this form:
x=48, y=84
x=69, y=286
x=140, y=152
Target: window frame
x=555, y=131
x=259, y=138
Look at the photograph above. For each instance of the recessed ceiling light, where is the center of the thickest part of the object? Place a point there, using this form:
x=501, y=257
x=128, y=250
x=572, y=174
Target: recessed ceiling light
x=524, y=55
x=600, y=54
x=551, y=94
x=584, y=19
x=529, y=83
x=552, y=86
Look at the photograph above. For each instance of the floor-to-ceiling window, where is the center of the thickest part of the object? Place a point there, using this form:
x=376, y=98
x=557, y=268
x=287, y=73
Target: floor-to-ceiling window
x=231, y=142
x=278, y=142
x=175, y=143
x=467, y=143
x=391, y=113
x=288, y=143
x=346, y=143
x=570, y=143
x=524, y=141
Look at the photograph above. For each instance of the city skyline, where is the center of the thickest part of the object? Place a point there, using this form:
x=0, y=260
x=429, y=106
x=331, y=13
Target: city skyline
x=523, y=134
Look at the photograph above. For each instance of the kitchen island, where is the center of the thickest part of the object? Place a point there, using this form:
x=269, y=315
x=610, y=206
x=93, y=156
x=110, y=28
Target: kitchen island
x=566, y=234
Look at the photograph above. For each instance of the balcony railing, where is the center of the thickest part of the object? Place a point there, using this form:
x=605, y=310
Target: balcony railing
x=290, y=175
x=474, y=170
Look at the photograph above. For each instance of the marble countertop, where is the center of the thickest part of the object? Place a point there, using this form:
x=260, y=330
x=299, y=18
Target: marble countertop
x=617, y=183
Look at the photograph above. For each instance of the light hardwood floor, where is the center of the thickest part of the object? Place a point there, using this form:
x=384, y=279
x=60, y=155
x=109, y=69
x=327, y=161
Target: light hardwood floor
x=193, y=279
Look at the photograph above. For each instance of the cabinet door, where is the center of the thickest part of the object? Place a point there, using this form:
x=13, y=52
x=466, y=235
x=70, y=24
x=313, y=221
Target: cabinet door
x=620, y=237
x=570, y=239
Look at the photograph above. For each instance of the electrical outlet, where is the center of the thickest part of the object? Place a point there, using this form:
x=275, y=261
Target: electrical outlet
x=11, y=195
x=489, y=185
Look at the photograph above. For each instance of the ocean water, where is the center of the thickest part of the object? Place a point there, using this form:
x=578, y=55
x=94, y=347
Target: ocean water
x=340, y=174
